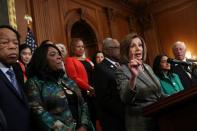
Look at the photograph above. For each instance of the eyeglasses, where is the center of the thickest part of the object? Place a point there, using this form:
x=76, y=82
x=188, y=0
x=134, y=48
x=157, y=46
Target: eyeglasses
x=115, y=47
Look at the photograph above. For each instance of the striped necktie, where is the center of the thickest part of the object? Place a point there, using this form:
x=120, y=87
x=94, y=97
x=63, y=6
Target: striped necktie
x=13, y=80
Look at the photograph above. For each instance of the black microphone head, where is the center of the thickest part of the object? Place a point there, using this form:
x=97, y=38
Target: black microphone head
x=169, y=60
x=178, y=62
x=191, y=60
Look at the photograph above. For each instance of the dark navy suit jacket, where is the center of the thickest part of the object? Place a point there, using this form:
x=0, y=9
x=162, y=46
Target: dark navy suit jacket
x=13, y=105
x=108, y=97
x=3, y=124
x=185, y=79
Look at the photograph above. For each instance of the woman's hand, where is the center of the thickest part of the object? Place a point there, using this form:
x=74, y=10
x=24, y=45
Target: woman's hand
x=134, y=69
x=134, y=66
x=91, y=91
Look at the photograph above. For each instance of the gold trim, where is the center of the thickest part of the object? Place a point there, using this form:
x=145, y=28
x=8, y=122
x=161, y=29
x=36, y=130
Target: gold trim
x=12, y=13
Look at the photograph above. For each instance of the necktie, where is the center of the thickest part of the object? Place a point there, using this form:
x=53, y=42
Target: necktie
x=13, y=80
x=188, y=70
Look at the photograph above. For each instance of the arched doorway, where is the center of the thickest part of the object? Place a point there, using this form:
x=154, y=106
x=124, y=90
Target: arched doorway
x=81, y=29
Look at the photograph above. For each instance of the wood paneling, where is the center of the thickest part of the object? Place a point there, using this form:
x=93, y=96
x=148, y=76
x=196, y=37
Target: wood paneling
x=176, y=112
x=20, y=13
x=174, y=20
x=53, y=19
x=104, y=30
x=3, y=12
x=171, y=20
x=121, y=27
x=47, y=20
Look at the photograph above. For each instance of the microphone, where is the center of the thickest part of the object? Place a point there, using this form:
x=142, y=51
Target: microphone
x=174, y=61
x=192, y=60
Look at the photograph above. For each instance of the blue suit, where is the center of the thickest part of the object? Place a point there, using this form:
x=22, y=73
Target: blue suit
x=13, y=105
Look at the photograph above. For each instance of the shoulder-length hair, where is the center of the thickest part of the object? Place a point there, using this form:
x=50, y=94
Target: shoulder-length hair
x=39, y=66
x=21, y=48
x=125, y=47
x=95, y=55
x=157, y=67
x=73, y=43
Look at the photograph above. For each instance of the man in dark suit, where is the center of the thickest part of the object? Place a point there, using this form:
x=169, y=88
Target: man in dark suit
x=111, y=109
x=3, y=123
x=13, y=102
x=186, y=73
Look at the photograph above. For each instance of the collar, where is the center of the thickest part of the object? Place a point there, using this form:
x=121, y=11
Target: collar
x=165, y=75
x=185, y=59
x=111, y=61
x=3, y=68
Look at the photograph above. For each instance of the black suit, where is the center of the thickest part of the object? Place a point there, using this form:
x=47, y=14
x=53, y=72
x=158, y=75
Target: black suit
x=108, y=98
x=184, y=77
x=13, y=105
x=3, y=123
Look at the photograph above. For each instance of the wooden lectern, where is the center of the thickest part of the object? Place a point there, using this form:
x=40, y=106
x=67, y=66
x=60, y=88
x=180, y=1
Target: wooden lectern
x=177, y=112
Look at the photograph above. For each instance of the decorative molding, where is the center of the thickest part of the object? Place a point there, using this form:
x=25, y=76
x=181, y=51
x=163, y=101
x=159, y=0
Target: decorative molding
x=82, y=13
x=146, y=21
x=109, y=4
x=110, y=14
x=162, y=6
x=132, y=23
x=3, y=12
x=12, y=13
x=76, y=15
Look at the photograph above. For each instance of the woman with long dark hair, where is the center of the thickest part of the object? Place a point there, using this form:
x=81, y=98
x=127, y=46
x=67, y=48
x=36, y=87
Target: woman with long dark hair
x=25, y=55
x=170, y=82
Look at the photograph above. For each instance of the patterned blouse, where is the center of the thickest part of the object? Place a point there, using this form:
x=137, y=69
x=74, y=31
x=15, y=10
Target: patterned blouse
x=50, y=103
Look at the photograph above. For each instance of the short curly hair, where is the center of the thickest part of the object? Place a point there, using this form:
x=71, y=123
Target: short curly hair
x=12, y=29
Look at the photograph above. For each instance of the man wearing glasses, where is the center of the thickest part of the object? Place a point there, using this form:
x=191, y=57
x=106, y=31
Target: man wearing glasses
x=111, y=110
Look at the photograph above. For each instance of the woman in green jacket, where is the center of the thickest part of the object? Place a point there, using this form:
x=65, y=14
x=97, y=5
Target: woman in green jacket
x=55, y=100
x=170, y=82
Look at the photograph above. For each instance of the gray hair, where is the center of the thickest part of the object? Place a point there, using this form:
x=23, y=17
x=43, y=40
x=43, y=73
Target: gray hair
x=178, y=43
x=106, y=42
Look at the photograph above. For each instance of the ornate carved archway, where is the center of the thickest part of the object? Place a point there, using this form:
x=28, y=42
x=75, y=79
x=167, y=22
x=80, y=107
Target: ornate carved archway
x=78, y=19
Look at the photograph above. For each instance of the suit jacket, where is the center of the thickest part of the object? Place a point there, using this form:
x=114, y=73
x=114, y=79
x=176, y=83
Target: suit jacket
x=138, y=97
x=108, y=99
x=147, y=91
x=49, y=103
x=3, y=123
x=13, y=105
x=185, y=78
